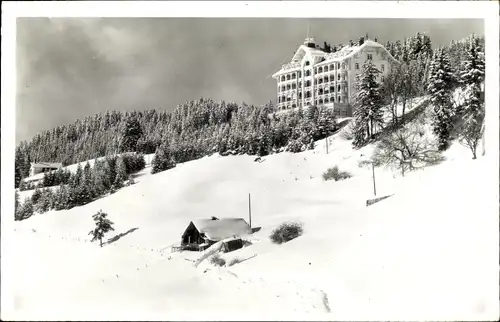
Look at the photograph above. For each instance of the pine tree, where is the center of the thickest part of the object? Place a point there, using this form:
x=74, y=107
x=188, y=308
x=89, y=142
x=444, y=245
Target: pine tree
x=37, y=194
x=16, y=204
x=472, y=78
x=121, y=173
x=18, y=164
x=440, y=89
x=367, y=104
x=131, y=134
x=103, y=225
x=62, y=200
x=162, y=160
x=25, y=210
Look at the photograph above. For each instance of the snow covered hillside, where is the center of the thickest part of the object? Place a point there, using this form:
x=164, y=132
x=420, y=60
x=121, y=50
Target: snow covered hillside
x=429, y=252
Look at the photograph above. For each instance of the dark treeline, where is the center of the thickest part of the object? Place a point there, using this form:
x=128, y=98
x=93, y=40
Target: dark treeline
x=191, y=131
x=81, y=187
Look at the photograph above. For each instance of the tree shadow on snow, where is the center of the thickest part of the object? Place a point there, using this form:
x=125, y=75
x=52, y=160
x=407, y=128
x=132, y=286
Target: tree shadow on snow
x=115, y=238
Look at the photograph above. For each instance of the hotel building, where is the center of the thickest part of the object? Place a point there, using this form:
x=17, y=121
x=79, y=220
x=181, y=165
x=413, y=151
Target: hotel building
x=317, y=77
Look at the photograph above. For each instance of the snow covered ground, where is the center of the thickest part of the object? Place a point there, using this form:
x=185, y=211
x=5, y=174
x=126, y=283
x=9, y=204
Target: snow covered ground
x=429, y=252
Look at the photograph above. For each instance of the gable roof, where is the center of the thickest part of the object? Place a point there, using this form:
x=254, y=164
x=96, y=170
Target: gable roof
x=315, y=54
x=46, y=165
x=222, y=228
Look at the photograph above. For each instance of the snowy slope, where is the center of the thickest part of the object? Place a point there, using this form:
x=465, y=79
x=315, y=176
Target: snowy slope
x=428, y=252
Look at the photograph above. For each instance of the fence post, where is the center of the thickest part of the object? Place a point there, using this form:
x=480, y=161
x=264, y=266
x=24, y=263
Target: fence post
x=373, y=173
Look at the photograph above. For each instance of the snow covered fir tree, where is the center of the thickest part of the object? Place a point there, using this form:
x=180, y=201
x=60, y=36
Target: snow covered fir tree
x=367, y=105
x=472, y=82
x=103, y=226
x=441, y=85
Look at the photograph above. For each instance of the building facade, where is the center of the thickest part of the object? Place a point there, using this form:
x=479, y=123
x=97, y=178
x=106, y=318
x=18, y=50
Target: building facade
x=316, y=77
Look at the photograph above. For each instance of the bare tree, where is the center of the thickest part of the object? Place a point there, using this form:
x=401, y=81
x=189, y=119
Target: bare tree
x=407, y=149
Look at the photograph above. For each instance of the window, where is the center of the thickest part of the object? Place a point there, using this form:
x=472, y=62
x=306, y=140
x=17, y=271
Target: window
x=288, y=87
x=332, y=99
x=338, y=99
x=308, y=73
x=382, y=67
x=308, y=94
x=294, y=76
x=294, y=86
x=299, y=73
x=332, y=67
x=283, y=88
x=300, y=95
x=320, y=101
x=369, y=56
x=307, y=63
x=282, y=78
x=288, y=77
x=356, y=66
x=338, y=88
x=326, y=68
x=332, y=89
x=308, y=83
x=325, y=79
x=315, y=70
x=320, y=81
x=332, y=78
x=338, y=65
x=320, y=91
x=338, y=76
x=320, y=70
x=294, y=105
x=300, y=84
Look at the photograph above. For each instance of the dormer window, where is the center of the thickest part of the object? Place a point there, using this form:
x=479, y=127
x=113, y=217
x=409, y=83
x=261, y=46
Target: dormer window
x=370, y=56
x=307, y=63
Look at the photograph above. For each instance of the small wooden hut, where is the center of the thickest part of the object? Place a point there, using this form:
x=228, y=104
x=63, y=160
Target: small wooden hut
x=201, y=234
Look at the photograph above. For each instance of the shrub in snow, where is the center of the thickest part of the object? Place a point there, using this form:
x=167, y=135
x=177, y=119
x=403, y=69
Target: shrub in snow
x=335, y=174
x=409, y=148
x=103, y=225
x=217, y=260
x=234, y=261
x=286, y=232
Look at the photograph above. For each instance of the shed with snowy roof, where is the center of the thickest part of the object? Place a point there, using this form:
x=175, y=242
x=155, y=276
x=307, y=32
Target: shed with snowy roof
x=202, y=233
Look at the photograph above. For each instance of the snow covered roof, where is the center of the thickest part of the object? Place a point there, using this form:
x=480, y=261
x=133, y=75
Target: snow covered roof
x=222, y=228
x=46, y=165
x=316, y=54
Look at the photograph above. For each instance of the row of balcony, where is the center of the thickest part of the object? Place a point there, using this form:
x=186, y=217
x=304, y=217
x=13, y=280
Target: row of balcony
x=317, y=70
x=293, y=86
x=323, y=97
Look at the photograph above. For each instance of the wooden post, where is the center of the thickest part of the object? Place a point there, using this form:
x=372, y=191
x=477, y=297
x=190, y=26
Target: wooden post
x=373, y=172
x=249, y=211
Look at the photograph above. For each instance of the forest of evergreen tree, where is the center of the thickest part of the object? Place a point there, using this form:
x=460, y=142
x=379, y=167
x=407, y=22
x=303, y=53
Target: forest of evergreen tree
x=203, y=127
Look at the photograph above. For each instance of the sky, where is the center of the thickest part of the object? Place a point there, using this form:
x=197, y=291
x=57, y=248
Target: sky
x=68, y=68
